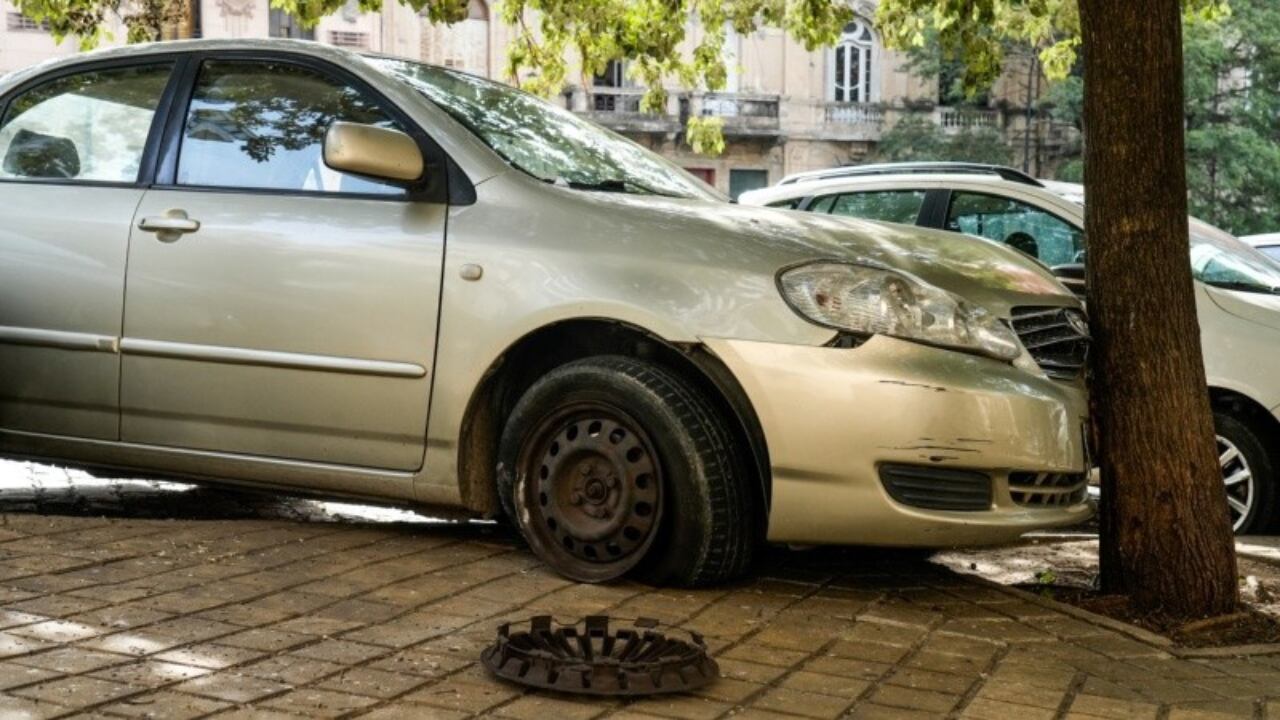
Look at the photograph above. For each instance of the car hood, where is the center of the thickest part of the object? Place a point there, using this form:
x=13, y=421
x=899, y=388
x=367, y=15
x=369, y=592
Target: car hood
x=984, y=273
x=1254, y=307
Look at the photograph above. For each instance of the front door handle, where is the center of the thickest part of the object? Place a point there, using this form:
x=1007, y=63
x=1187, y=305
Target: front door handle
x=170, y=226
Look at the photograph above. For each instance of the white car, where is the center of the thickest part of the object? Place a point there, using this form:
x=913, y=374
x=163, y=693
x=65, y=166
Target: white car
x=1268, y=244
x=1237, y=287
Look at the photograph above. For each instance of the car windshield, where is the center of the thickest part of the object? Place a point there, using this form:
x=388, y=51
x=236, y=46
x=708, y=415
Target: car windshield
x=1218, y=258
x=1223, y=261
x=545, y=141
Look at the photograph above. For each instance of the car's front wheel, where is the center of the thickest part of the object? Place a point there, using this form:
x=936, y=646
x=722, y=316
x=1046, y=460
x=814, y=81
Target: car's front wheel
x=612, y=466
x=1249, y=472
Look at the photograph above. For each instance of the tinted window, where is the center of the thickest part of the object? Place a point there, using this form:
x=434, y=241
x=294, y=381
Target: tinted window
x=262, y=125
x=899, y=206
x=1028, y=228
x=90, y=126
x=822, y=204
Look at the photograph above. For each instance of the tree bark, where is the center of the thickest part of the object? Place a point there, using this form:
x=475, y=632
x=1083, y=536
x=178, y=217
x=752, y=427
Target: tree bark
x=1166, y=535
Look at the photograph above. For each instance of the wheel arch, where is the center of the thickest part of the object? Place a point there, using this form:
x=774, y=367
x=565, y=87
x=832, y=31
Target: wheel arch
x=563, y=341
x=1246, y=408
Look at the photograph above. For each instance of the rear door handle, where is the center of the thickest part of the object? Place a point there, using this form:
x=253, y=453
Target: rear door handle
x=170, y=226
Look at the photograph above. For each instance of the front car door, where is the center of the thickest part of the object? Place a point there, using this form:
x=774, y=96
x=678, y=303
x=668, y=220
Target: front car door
x=276, y=307
x=74, y=153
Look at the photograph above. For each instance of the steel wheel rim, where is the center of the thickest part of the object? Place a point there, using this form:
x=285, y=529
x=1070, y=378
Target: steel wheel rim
x=591, y=489
x=1238, y=478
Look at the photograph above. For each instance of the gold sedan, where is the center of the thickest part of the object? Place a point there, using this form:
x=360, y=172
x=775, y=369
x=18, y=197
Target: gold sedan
x=289, y=266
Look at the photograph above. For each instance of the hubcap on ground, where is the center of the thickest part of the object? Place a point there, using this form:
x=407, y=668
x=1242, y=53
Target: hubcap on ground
x=593, y=491
x=1238, y=478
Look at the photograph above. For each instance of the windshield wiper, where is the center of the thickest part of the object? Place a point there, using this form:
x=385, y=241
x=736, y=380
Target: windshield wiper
x=1243, y=287
x=617, y=185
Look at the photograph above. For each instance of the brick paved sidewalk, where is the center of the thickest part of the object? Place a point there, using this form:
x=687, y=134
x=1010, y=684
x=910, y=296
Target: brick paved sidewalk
x=225, y=612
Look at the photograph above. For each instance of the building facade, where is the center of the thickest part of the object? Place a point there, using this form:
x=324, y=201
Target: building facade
x=785, y=109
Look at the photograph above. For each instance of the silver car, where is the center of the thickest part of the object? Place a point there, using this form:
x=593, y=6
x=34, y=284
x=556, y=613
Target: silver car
x=289, y=266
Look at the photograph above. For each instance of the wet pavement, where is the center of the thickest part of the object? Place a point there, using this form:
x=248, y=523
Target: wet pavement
x=141, y=598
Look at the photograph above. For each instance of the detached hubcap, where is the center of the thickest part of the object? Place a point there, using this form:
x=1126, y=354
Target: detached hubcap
x=1238, y=478
x=593, y=491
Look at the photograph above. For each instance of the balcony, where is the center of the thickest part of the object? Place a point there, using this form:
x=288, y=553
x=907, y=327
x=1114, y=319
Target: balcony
x=743, y=114
x=853, y=121
x=619, y=109
x=953, y=120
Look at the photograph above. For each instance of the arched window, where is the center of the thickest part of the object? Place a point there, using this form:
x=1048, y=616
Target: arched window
x=851, y=66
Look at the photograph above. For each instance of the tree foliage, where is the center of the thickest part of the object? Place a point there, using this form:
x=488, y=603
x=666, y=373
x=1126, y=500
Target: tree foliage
x=917, y=137
x=978, y=32
x=1233, y=102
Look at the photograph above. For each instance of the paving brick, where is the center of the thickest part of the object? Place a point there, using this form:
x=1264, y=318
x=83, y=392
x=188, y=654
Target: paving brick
x=232, y=687
x=1112, y=708
x=373, y=683
x=270, y=617
x=808, y=704
x=77, y=691
x=318, y=703
x=463, y=696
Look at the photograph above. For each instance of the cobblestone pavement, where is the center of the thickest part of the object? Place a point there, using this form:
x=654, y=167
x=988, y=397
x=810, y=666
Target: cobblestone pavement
x=137, y=599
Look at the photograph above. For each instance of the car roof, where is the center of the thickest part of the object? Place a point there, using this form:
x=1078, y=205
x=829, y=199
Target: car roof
x=924, y=167
x=1263, y=240
x=169, y=47
x=806, y=188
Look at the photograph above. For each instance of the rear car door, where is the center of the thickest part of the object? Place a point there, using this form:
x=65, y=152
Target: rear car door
x=73, y=155
x=276, y=307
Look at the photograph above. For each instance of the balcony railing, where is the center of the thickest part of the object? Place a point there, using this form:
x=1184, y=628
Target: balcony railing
x=854, y=114
x=955, y=120
x=743, y=114
x=620, y=109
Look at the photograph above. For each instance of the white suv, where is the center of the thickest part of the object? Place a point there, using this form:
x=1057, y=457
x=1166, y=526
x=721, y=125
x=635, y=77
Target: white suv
x=1237, y=288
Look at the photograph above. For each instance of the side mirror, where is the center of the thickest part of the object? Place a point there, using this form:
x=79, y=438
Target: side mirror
x=373, y=152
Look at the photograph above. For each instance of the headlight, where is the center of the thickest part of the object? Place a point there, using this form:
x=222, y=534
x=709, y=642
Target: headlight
x=870, y=300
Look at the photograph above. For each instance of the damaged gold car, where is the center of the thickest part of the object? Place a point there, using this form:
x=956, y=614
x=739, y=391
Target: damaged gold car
x=290, y=266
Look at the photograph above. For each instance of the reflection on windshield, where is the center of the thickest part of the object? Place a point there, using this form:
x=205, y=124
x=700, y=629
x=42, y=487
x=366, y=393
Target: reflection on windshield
x=549, y=143
x=1221, y=260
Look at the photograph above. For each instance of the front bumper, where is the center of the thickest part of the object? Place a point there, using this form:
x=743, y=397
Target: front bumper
x=833, y=418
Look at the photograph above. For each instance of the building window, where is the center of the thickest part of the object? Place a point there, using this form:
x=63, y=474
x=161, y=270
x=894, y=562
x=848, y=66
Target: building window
x=283, y=25
x=851, y=64
x=614, y=76
x=347, y=38
x=21, y=23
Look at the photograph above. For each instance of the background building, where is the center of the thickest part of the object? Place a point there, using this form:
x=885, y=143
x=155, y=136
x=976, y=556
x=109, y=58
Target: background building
x=785, y=109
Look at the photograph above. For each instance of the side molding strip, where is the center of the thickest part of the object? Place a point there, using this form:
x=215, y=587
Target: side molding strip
x=59, y=339
x=269, y=358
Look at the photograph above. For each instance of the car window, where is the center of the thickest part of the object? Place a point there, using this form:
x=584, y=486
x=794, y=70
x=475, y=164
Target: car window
x=255, y=124
x=899, y=206
x=1271, y=251
x=822, y=204
x=1036, y=232
x=785, y=204
x=90, y=126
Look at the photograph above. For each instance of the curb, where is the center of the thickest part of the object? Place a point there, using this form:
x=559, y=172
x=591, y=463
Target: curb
x=1133, y=631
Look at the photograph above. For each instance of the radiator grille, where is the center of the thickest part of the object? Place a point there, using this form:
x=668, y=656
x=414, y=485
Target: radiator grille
x=1047, y=489
x=1058, y=339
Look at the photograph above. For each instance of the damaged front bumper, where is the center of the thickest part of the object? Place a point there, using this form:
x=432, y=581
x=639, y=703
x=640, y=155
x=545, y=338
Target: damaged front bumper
x=899, y=444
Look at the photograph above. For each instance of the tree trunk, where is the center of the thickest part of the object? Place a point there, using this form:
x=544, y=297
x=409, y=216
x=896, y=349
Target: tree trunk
x=1166, y=535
